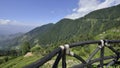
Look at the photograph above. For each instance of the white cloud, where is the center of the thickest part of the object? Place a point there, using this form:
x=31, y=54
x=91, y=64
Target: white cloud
x=86, y=6
x=75, y=9
x=12, y=26
x=4, y=22
x=16, y=23
x=9, y=22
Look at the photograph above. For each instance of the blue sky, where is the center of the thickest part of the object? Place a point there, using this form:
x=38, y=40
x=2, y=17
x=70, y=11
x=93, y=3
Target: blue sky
x=39, y=12
x=32, y=13
x=36, y=11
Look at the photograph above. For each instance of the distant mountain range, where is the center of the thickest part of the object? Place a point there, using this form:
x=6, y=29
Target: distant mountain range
x=8, y=29
x=68, y=31
x=9, y=37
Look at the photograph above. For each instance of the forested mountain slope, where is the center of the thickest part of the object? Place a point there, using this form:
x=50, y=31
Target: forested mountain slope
x=68, y=31
x=84, y=28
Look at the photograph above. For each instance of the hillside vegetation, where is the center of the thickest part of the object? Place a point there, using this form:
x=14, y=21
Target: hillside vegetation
x=85, y=28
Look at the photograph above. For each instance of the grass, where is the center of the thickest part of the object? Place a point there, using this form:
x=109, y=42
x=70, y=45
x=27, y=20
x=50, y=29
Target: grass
x=70, y=61
x=19, y=62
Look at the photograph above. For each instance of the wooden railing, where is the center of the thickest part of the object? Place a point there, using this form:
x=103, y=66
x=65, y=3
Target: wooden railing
x=64, y=50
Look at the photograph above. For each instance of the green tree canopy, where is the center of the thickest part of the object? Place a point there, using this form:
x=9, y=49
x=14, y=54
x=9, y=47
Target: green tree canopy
x=25, y=47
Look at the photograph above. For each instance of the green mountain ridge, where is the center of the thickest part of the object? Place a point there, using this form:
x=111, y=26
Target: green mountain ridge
x=83, y=28
x=69, y=31
x=109, y=13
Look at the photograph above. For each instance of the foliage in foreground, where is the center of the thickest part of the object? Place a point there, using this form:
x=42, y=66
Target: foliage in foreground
x=19, y=62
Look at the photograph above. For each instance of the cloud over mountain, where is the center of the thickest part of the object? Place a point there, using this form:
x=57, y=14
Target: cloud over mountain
x=4, y=22
x=86, y=6
x=11, y=27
